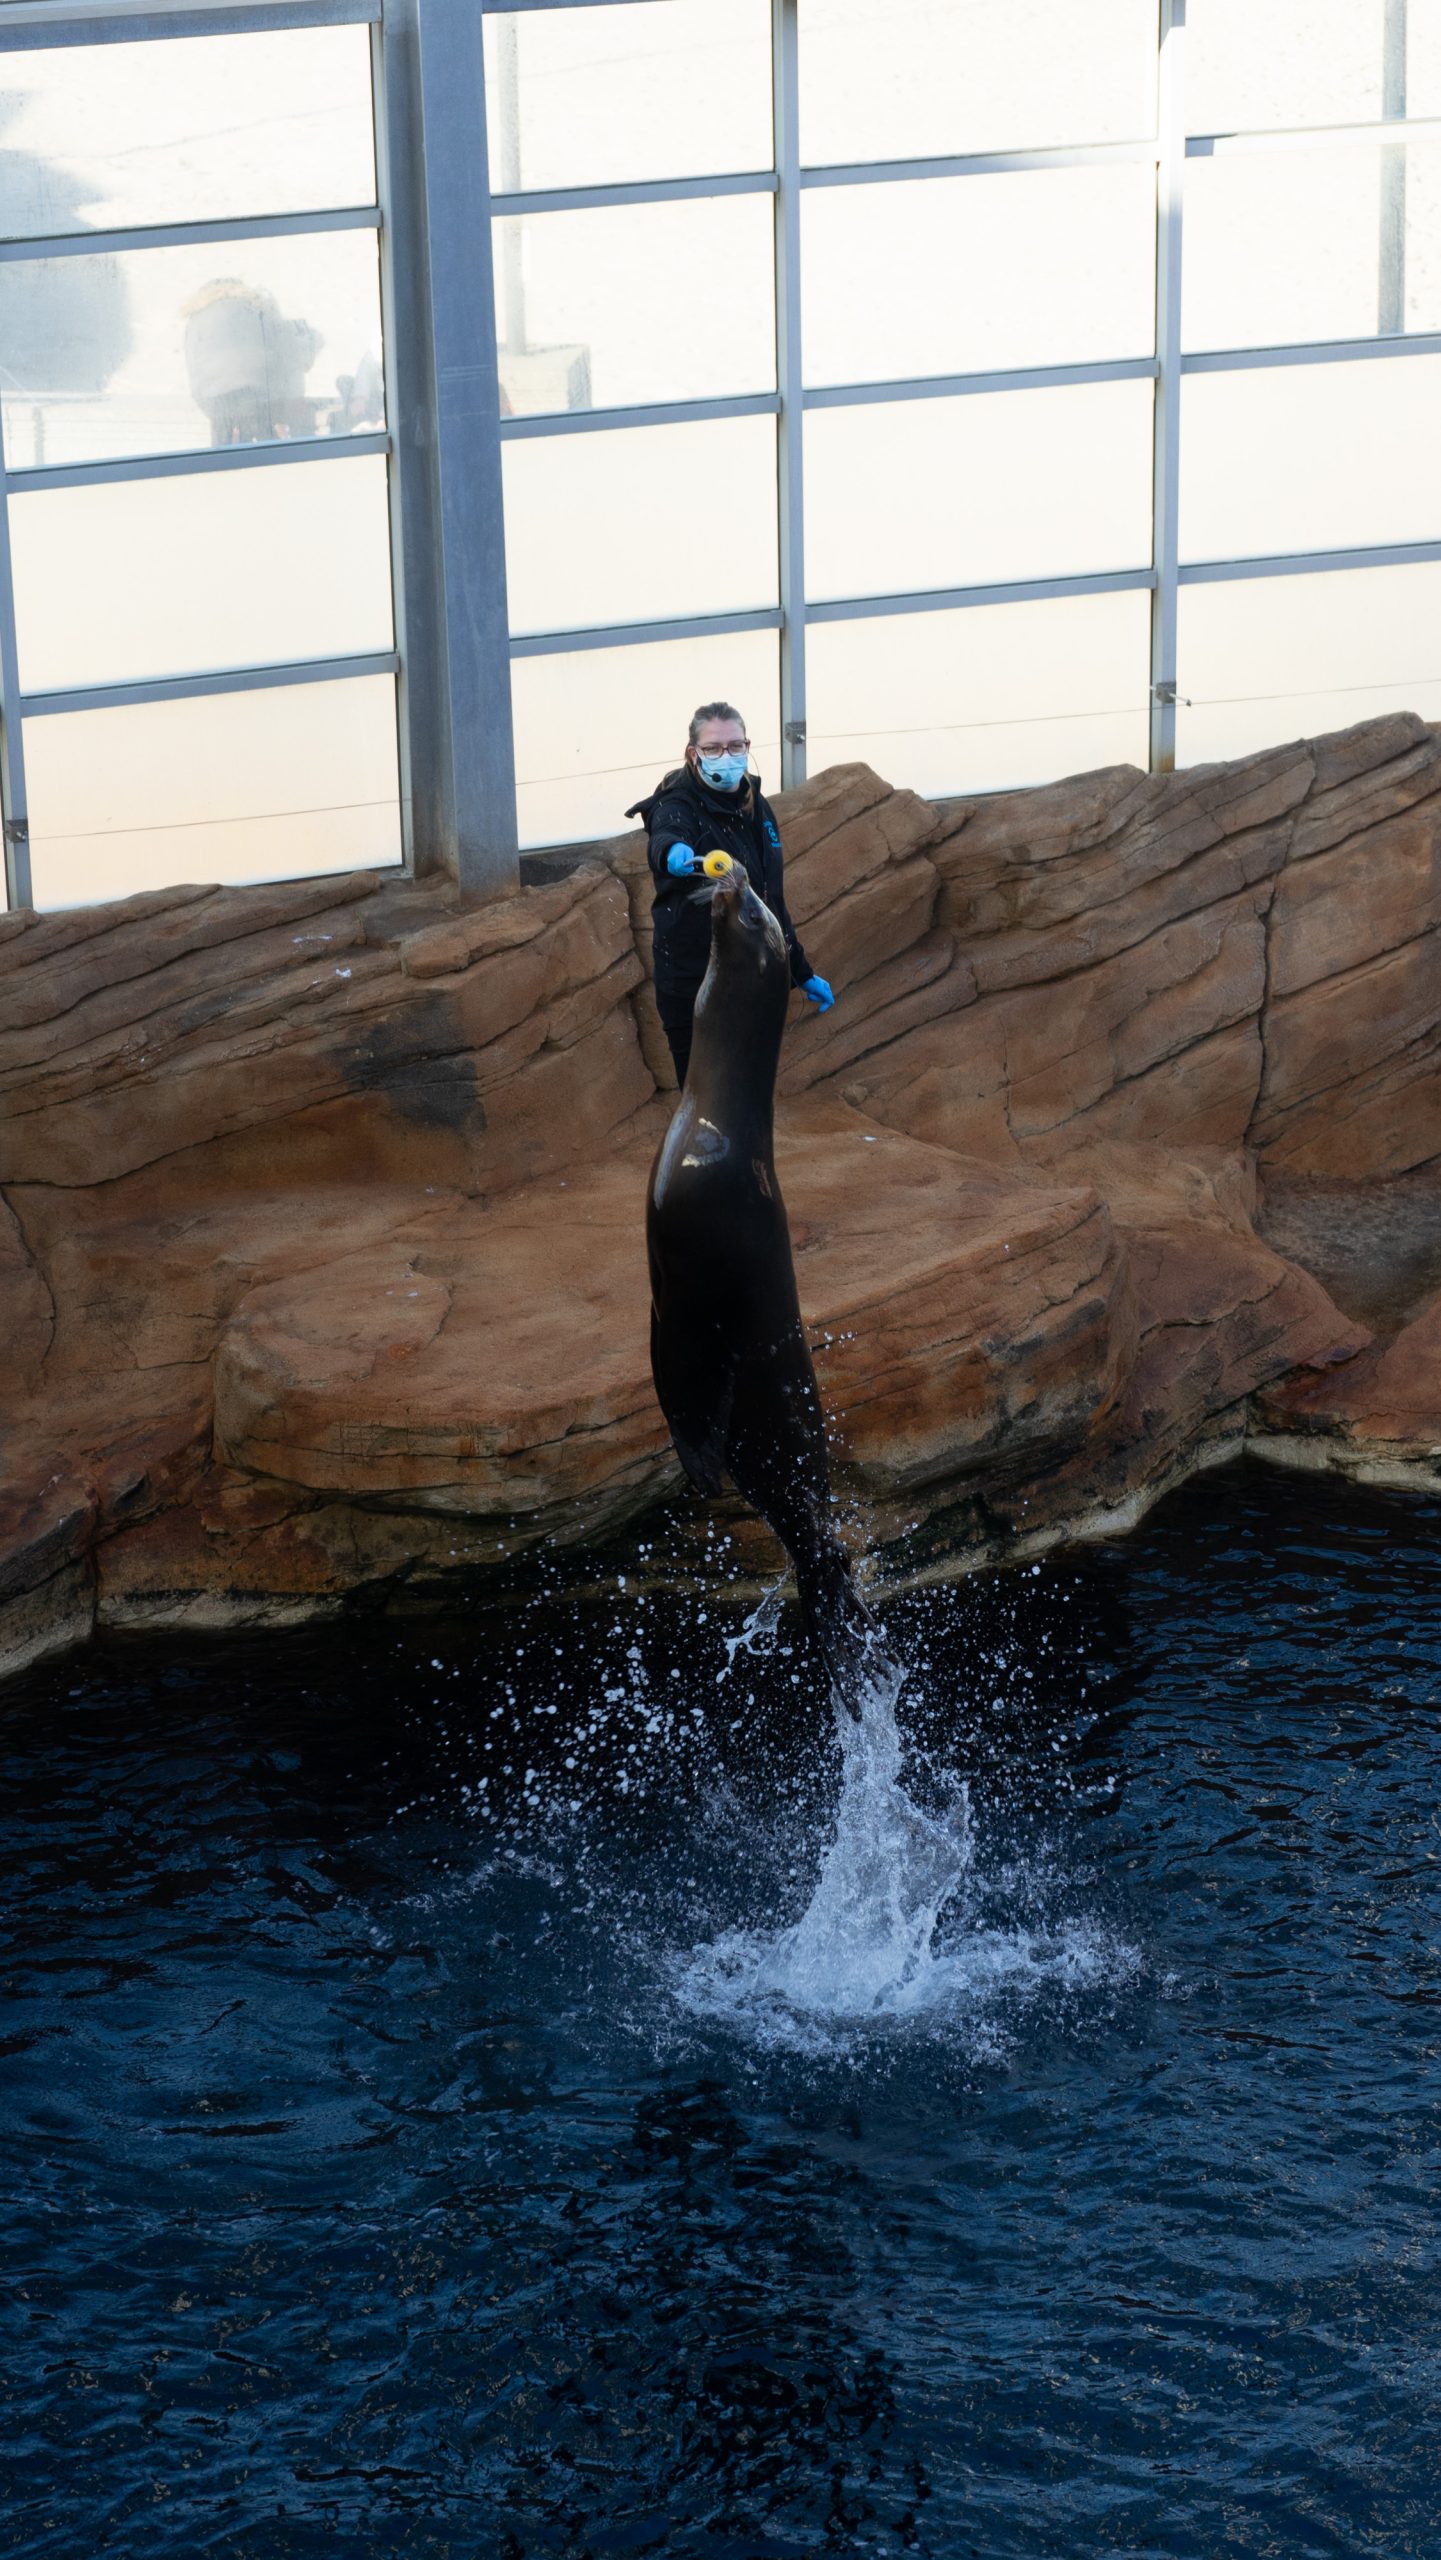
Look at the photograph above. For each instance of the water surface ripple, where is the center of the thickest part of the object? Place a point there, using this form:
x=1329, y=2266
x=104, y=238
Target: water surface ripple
x=388, y=2169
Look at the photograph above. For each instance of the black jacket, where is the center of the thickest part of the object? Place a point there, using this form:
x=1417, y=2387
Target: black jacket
x=684, y=810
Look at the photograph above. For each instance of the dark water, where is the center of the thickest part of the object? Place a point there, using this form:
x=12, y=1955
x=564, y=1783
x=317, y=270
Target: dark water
x=371, y=2188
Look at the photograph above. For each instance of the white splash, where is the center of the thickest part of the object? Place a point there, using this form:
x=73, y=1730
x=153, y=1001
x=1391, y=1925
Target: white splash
x=863, y=1944
x=759, y=1628
x=864, y=1951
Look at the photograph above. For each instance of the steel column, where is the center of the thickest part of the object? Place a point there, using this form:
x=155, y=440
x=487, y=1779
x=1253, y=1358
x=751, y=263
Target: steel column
x=1165, y=494
x=790, y=455
x=447, y=434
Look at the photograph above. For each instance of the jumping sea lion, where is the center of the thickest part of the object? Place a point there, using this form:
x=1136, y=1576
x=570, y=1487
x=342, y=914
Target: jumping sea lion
x=728, y=1349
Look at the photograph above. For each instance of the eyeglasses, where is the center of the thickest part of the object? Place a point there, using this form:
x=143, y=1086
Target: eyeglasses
x=722, y=746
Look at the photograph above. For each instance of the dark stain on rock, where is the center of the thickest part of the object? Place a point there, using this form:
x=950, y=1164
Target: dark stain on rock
x=417, y=1061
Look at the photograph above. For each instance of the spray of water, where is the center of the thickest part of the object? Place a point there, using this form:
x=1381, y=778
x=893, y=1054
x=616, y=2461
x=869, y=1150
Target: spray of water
x=884, y=1936
x=901, y=1912
x=758, y=1629
x=863, y=1945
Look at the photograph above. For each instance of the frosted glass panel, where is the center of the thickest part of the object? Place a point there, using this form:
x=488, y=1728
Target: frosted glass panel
x=1266, y=659
x=239, y=786
x=1315, y=457
x=1288, y=245
x=1258, y=63
x=223, y=569
x=167, y=348
x=594, y=731
x=640, y=524
x=923, y=77
x=102, y=137
x=985, y=698
x=1423, y=58
x=920, y=494
x=640, y=89
x=696, y=318
x=967, y=275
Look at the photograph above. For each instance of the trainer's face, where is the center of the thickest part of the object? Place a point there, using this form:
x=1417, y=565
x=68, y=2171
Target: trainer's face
x=721, y=738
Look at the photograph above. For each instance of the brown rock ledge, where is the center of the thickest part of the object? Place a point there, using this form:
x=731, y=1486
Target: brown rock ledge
x=321, y=1264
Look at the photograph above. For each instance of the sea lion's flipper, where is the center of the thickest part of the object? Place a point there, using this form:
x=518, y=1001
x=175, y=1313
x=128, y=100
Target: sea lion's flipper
x=694, y=1369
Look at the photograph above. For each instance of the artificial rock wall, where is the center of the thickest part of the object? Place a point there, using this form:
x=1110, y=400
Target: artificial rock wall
x=322, y=1275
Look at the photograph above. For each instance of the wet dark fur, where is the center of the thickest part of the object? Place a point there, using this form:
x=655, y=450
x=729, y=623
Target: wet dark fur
x=729, y=1355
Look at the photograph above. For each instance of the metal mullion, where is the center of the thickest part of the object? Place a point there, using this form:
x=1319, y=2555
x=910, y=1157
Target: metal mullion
x=1301, y=564
x=974, y=164
x=1303, y=137
x=705, y=626
x=947, y=386
x=386, y=198
x=14, y=806
x=1092, y=582
x=740, y=182
x=1166, y=431
x=525, y=8
x=790, y=433
x=1391, y=243
x=185, y=235
x=35, y=26
x=121, y=697
x=657, y=413
x=630, y=635
x=201, y=458
x=1419, y=342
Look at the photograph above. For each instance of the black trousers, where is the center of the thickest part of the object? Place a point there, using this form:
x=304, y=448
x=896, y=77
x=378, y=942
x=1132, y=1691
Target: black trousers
x=676, y=1005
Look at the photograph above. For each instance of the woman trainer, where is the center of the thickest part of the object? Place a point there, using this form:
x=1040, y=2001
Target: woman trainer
x=710, y=804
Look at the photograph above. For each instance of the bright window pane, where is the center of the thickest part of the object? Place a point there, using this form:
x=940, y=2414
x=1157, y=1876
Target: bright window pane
x=696, y=318
x=596, y=729
x=638, y=524
x=1269, y=658
x=1414, y=178
x=101, y=137
x=1311, y=457
x=919, y=494
x=985, y=698
x=653, y=89
x=166, y=348
x=1423, y=58
x=221, y=569
x=925, y=77
x=234, y=787
x=1288, y=245
x=967, y=275
x=1253, y=64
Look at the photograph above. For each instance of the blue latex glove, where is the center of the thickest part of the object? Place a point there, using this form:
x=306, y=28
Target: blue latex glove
x=680, y=861
x=819, y=993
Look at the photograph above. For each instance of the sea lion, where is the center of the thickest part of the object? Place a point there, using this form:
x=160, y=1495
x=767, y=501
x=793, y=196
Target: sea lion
x=728, y=1348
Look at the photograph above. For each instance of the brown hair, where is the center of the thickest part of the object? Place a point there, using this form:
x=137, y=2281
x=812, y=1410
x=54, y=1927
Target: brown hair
x=712, y=711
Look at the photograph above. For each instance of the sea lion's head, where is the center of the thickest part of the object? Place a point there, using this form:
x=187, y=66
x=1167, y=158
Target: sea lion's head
x=743, y=932
x=747, y=987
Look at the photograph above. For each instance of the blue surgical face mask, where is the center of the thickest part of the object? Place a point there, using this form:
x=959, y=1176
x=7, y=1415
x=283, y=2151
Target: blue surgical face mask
x=724, y=772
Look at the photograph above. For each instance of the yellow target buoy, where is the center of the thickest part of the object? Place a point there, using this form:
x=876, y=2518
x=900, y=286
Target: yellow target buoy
x=716, y=865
